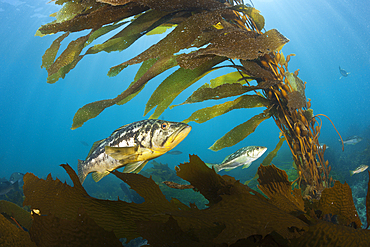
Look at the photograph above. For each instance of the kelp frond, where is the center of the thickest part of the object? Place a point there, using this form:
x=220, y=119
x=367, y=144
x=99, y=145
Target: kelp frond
x=216, y=32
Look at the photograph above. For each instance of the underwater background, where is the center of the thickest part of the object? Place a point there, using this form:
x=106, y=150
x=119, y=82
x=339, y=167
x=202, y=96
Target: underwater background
x=36, y=117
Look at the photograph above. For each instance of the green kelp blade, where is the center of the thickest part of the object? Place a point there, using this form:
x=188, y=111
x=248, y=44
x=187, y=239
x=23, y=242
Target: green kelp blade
x=137, y=28
x=240, y=132
x=161, y=29
x=67, y=60
x=49, y=57
x=223, y=91
x=174, y=84
x=267, y=161
x=244, y=101
x=104, y=30
x=145, y=66
x=93, y=109
x=230, y=78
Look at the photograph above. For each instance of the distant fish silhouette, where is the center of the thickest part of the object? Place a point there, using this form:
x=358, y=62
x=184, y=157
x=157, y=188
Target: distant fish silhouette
x=84, y=143
x=132, y=195
x=343, y=72
x=175, y=152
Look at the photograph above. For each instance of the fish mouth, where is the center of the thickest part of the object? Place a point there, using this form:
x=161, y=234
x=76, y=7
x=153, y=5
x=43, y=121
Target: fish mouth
x=177, y=137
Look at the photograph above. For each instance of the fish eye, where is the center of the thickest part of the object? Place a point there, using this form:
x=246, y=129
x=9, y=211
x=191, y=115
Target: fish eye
x=164, y=126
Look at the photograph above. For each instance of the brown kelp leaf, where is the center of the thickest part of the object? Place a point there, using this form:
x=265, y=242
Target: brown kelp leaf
x=206, y=180
x=231, y=204
x=174, y=84
x=296, y=98
x=368, y=203
x=296, y=101
x=11, y=235
x=274, y=183
x=338, y=201
x=254, y=70
x=206, y=92
x=48, y=230
x=137, y=28
x=67, y=60
x=240, y=132
x=331, y=235
x=245, y=44
x=267, y=161
x=175, y=236
x=49, y=57
x=187, y=61
x=171, y=5
x=244, y=101
x=95, y=19
x=180, y=38
x=19, y=214
x=146, y=71
x=63, y=201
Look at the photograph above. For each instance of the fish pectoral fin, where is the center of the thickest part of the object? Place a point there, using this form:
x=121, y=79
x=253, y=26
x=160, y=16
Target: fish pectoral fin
x=137, y=170
x=120, y=153
x=135, y=167
x=99, y=175
x=246, y=165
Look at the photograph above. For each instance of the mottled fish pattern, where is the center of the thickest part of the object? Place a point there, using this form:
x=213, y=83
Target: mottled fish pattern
x=132, y=145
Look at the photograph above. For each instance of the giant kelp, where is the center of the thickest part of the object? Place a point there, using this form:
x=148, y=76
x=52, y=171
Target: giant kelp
x=216, y=32
x=236, y=216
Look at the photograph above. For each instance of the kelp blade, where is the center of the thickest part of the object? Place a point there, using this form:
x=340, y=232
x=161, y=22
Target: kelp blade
x=267, y=161
x=244, y=101
x=240, y=132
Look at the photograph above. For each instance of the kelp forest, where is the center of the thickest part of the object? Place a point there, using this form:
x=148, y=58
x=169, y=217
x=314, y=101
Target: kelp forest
x=203, y=36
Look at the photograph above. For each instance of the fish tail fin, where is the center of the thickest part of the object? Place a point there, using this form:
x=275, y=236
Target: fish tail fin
x=214, y=166
x=81, y=174
x=351, y=173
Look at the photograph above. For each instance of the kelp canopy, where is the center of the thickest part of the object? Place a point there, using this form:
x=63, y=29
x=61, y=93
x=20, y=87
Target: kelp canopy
x=205, y=35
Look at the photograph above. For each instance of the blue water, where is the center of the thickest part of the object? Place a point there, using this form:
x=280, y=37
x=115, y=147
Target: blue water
x=36, y=117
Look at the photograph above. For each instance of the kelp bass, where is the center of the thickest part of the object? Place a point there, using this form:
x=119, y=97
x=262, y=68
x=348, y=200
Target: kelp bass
x=132, y=146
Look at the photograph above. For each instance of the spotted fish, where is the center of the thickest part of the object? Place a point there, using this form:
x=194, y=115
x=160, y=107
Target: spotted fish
x=243, y=157
x=132, y=146
x=343, y=72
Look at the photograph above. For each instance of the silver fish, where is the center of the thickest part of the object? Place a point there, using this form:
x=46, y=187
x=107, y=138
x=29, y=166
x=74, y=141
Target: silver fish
x=343, y=72
x=359, y=169
x=243, y=157
x=16, y=176
x=352, y=140
x=132, y=146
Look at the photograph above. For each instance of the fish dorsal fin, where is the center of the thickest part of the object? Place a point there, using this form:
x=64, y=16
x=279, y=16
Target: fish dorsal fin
x=99, y=175
x=124, y=126
x=246, y=165
x=94, y=146
x=121, y=153
x=133, y=167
